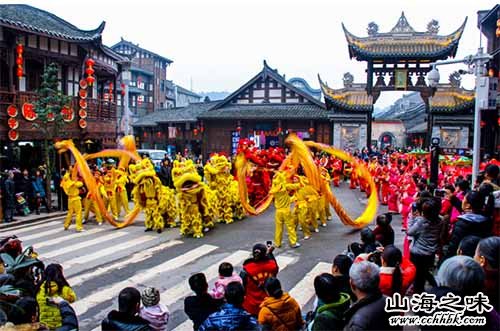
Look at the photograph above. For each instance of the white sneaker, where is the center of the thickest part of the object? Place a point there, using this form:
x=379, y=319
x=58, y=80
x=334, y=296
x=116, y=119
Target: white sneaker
x=81, y=230
x=316, y=230
x=206, y=229
x=297, y=245
x=100, y=223
x=307, y=237
x=323, y=225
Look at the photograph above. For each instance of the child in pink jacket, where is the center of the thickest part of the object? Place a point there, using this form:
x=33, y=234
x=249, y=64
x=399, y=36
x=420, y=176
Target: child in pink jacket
x=226, y=276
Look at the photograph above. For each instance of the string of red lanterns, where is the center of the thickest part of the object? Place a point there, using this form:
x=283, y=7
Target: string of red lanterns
x=19, y=60
x=90, y=71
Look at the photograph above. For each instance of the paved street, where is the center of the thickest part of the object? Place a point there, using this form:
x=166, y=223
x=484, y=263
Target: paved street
x=101, y=261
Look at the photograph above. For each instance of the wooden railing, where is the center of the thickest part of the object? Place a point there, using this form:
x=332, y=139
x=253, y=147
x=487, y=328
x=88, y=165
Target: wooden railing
x=97, y=109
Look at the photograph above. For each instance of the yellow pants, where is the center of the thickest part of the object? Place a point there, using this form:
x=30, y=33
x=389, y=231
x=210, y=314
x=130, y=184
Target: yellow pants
x=284, y=217
x=312, y=214
x=122, y=201
x=110, y=204
x=89, y=205
x=74, y=208
x=321, y=209
x=301, y=215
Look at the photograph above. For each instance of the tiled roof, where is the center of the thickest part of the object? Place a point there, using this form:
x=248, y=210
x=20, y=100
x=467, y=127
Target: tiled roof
x=403, y=42
x=183, y=90
x=419, y=128
x=353, y=98
x=128, y=43
x=449, y=99
x=189, y=113
x=267, y=111
x=28, y=18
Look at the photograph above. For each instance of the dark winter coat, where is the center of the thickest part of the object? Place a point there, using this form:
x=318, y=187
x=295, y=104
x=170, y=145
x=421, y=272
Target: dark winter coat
x=198, y=308
x=468, y=225
x=68, y=316
x=330, y=316
x=425, y=235
x=119, y=321
x=368, y=314
x=10, y=193
x=229, y=318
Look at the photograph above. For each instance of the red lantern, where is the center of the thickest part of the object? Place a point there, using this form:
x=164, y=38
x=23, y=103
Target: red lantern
x=238, y=128
x=19, y=61
x=311, y=130
x=89, y=62
x=482, y=124
x=145, y=134
x=491, y=72
x=90, y=71
x=195, y=131
x=158, y=134
x=19, y=49
x=202, y=129
x=280, y=129
x=498, y=121
x=90, y=80
x=20, y=72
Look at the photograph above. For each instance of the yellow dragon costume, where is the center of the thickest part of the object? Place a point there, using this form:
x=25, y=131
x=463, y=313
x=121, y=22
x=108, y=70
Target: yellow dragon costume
x=196, y=201
x=218, y=176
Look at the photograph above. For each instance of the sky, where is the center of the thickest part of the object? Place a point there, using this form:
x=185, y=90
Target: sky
x=218, y=45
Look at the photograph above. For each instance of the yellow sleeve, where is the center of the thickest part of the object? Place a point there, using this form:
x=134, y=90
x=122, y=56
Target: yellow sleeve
x=68, y=294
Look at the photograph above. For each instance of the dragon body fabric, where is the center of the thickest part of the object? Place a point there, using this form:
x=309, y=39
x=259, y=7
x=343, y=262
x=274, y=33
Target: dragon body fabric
x=218, y=176
x=196, y=201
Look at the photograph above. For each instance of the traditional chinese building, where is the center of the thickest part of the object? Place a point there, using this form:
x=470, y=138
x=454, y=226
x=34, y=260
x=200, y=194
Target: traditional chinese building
x=30, y=39
x=397, y=60
x=264, y=109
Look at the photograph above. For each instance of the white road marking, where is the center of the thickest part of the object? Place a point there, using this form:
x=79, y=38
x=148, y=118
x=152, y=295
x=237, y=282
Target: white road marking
x=106, y=251
x=85, y=244
x=137, y=257
x=65, y=237
x=41, y=234
x=187, y=325
x=23, y=229
x=142, y=276
x=303, y=291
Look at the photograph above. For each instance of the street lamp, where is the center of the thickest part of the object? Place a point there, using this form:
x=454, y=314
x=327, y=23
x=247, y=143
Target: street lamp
x=476, y=66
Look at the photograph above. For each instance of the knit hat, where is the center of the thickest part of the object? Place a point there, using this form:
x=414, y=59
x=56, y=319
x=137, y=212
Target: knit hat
x=150, y=297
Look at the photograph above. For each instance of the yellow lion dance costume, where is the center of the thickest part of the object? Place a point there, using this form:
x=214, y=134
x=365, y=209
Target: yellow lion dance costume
x=153, y=198
x=218, y=176
x=196, y=201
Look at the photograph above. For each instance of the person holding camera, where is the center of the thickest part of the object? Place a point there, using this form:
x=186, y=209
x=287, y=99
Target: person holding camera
x=256, y=270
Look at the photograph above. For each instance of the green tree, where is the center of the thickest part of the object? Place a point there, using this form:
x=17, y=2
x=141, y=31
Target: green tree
x=49, y=109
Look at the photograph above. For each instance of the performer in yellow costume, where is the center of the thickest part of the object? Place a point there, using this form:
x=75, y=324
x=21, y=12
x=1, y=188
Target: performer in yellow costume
x=72, y=189
x=217, y=172
x=90, y=203
x=195, y=200
x=324, y=205
x=109, y=181
x=281, y=189
x=121, y=179
x=301, y=212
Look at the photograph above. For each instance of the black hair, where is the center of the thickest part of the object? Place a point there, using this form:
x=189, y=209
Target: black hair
x=128, y=300
x=25, y=309
x=367, y=236
x=468, y=245
x=463, y=185
x=384, y=219
x=198, y=283
x=486, y=190
x=225, y=269
x=393, y=258
x=431, y=208
x=54, y=273
x=273, y=287
x=424, y=194
x=476, y=201
x=343, y=263
x=259, y=252
x=450, y=187
x=492, y=171
x=490, y=249
x=327, y=287
x=235, y=293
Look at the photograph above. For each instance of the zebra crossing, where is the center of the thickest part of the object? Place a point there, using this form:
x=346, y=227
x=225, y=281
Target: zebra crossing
x=101, y=261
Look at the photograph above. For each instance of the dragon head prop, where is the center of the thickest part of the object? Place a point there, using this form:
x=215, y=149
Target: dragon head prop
x=185, y=177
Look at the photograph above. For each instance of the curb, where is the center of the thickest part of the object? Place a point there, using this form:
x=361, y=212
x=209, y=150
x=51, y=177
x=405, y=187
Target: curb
x=48, y=217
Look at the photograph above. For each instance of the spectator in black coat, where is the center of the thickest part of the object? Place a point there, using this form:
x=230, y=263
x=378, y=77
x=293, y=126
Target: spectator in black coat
x=126, y=318
x=10, y=197
x=340, y=270
x=368, y=313
x=199, y=306
x=384, y=233
x=470, y=223
x=165, y=174
x=25, y=186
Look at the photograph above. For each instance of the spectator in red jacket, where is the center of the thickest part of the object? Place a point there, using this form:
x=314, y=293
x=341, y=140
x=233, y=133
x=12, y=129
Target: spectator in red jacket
x=256, y=271
x=397, y=273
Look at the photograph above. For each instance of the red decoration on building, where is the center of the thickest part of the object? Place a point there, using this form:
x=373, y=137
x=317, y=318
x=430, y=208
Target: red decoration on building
x=82, y=123
x=145, y=134
x=195, y=131
x=158, y=134
x=28, y=112
x=82, y=113
x=12, y=111
x=13, y=135
x=13, y=123
x=498, y=121
x=123, y=89
x=51, y=117
x=89, y=70
x=19, y=60
x=110, y=88
x=311, y=130
x=67, y=114
x=482, y=124
x=202, y=129
x=238, y=128
x=498, y=28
